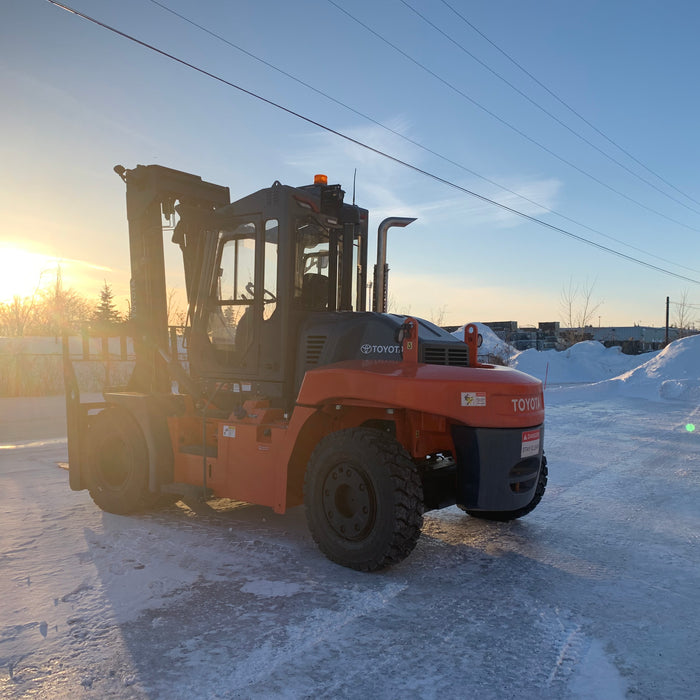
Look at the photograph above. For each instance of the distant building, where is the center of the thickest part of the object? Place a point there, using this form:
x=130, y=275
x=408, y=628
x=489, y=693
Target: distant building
x=549, y=335
x=544, y=337
x=634, y=339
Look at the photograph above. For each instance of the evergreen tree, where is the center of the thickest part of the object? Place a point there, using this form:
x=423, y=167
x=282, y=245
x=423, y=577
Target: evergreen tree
x=106, y=317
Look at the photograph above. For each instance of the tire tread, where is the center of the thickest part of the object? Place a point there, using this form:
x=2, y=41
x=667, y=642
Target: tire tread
x=406, y=486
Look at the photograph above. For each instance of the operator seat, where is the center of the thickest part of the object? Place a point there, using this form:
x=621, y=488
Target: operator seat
x=314, y=292
x=244, y=331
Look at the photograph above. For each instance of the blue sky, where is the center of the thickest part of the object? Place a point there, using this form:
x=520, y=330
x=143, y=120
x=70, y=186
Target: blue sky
x=79, y=99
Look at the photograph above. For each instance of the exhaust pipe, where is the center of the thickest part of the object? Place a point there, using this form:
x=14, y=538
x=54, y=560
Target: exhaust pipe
x=381, y=269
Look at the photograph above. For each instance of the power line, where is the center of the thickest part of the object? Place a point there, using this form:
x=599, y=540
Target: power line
x=545, y=110
x=367, y=147
x=410, y=140
x=684, y=304
x=506, y=123
x=567, y=105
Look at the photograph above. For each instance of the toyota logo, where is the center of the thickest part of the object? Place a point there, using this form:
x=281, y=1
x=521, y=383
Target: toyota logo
x=366, y=348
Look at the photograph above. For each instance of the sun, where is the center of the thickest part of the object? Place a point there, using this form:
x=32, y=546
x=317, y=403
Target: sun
x=22, y=271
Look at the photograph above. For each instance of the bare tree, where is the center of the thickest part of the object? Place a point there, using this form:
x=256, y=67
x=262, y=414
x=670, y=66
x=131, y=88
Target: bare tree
x=60, y=310
x=437, y=316
x=578, y=308
x=50, y=310
x=19, y=315
x=16, y=315
x=392, y=306
x=684, y=315
x=177, y=316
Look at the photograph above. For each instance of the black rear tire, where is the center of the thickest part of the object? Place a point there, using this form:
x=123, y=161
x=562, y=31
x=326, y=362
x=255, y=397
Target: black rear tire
x=118, y=463
x=363, y=499
x=505, y=516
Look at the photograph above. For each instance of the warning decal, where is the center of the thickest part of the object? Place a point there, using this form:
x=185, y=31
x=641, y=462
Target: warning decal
x=473, y=398
x=230, y=431
x=530, y=445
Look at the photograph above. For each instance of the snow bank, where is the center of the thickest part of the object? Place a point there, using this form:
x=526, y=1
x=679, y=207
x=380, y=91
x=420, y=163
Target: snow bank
x=491, y=344
x=585, y=362
x=672, y=373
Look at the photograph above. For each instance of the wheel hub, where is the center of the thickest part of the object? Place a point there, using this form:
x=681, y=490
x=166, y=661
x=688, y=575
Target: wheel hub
x=113, y=463
x=348, y=502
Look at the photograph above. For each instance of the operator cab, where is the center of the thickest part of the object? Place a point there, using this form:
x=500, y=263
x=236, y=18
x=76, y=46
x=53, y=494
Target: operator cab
x=263, y=265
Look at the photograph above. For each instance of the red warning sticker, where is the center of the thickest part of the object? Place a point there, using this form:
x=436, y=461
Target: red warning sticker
x=530, y=445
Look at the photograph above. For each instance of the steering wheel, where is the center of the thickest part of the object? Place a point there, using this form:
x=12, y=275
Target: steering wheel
x=268, y=296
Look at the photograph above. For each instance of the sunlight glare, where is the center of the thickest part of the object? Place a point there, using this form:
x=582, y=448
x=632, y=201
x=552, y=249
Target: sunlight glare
x=22, y=271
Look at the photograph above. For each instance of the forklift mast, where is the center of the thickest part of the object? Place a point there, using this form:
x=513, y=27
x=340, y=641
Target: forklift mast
x=151, y=194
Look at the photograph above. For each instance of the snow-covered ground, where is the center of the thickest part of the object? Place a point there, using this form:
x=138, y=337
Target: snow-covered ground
x=596, y=594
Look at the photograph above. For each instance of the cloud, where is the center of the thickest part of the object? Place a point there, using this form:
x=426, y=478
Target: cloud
x=68, y=110
x=530, y=196
x=82, y=264
x=379, y=180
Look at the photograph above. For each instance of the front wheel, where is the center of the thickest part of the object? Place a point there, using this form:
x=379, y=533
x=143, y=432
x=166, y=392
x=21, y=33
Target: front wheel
x=363, y=499
x=118, y=463
x=504, y=516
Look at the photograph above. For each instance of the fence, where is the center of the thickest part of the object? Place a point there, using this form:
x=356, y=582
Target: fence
x=33, y=366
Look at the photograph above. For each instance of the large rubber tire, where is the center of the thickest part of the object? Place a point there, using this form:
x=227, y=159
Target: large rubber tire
x=363, y=498
x=118, y=463
x=505, y=516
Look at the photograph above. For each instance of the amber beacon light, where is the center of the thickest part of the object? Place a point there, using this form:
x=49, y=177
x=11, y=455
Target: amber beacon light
x=320, y=179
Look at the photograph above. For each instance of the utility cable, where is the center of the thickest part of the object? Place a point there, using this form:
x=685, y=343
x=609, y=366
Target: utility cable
x=367, y=147
x=512, y=127
x=410, y=140
x=533, y=102
x=565, y=104
x=684, y=304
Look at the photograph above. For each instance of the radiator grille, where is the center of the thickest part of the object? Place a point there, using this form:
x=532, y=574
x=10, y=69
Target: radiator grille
x=314, y=348
x=445, y=355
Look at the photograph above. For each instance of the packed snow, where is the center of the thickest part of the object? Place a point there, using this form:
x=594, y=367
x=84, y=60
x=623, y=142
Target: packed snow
x=594, y=595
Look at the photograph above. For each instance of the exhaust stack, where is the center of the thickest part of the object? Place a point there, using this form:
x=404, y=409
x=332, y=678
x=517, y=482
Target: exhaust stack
x=381, y=269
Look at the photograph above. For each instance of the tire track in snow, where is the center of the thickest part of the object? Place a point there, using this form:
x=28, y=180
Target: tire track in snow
x=570, y=654
x=320, y=626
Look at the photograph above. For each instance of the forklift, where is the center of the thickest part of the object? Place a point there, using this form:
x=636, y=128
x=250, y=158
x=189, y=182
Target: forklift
x=292, y=392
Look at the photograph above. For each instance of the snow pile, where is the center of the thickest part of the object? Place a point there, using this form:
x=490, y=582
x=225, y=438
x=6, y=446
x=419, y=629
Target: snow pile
x=585, y=362
x=672, y=373
x=491, y=344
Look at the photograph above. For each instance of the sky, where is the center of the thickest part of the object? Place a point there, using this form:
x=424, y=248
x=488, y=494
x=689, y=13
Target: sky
x=444, y=92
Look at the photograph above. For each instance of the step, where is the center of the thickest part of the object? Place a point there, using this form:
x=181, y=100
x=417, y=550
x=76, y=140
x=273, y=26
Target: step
x=200, y=450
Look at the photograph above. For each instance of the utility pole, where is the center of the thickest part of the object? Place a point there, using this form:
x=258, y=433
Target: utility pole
x=667, y=305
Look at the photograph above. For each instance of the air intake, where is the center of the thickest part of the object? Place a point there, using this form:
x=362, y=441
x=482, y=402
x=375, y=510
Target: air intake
x=314, y=348
x=446, y=355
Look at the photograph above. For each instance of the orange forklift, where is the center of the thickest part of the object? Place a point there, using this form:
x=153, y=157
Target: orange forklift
x=292, y=391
